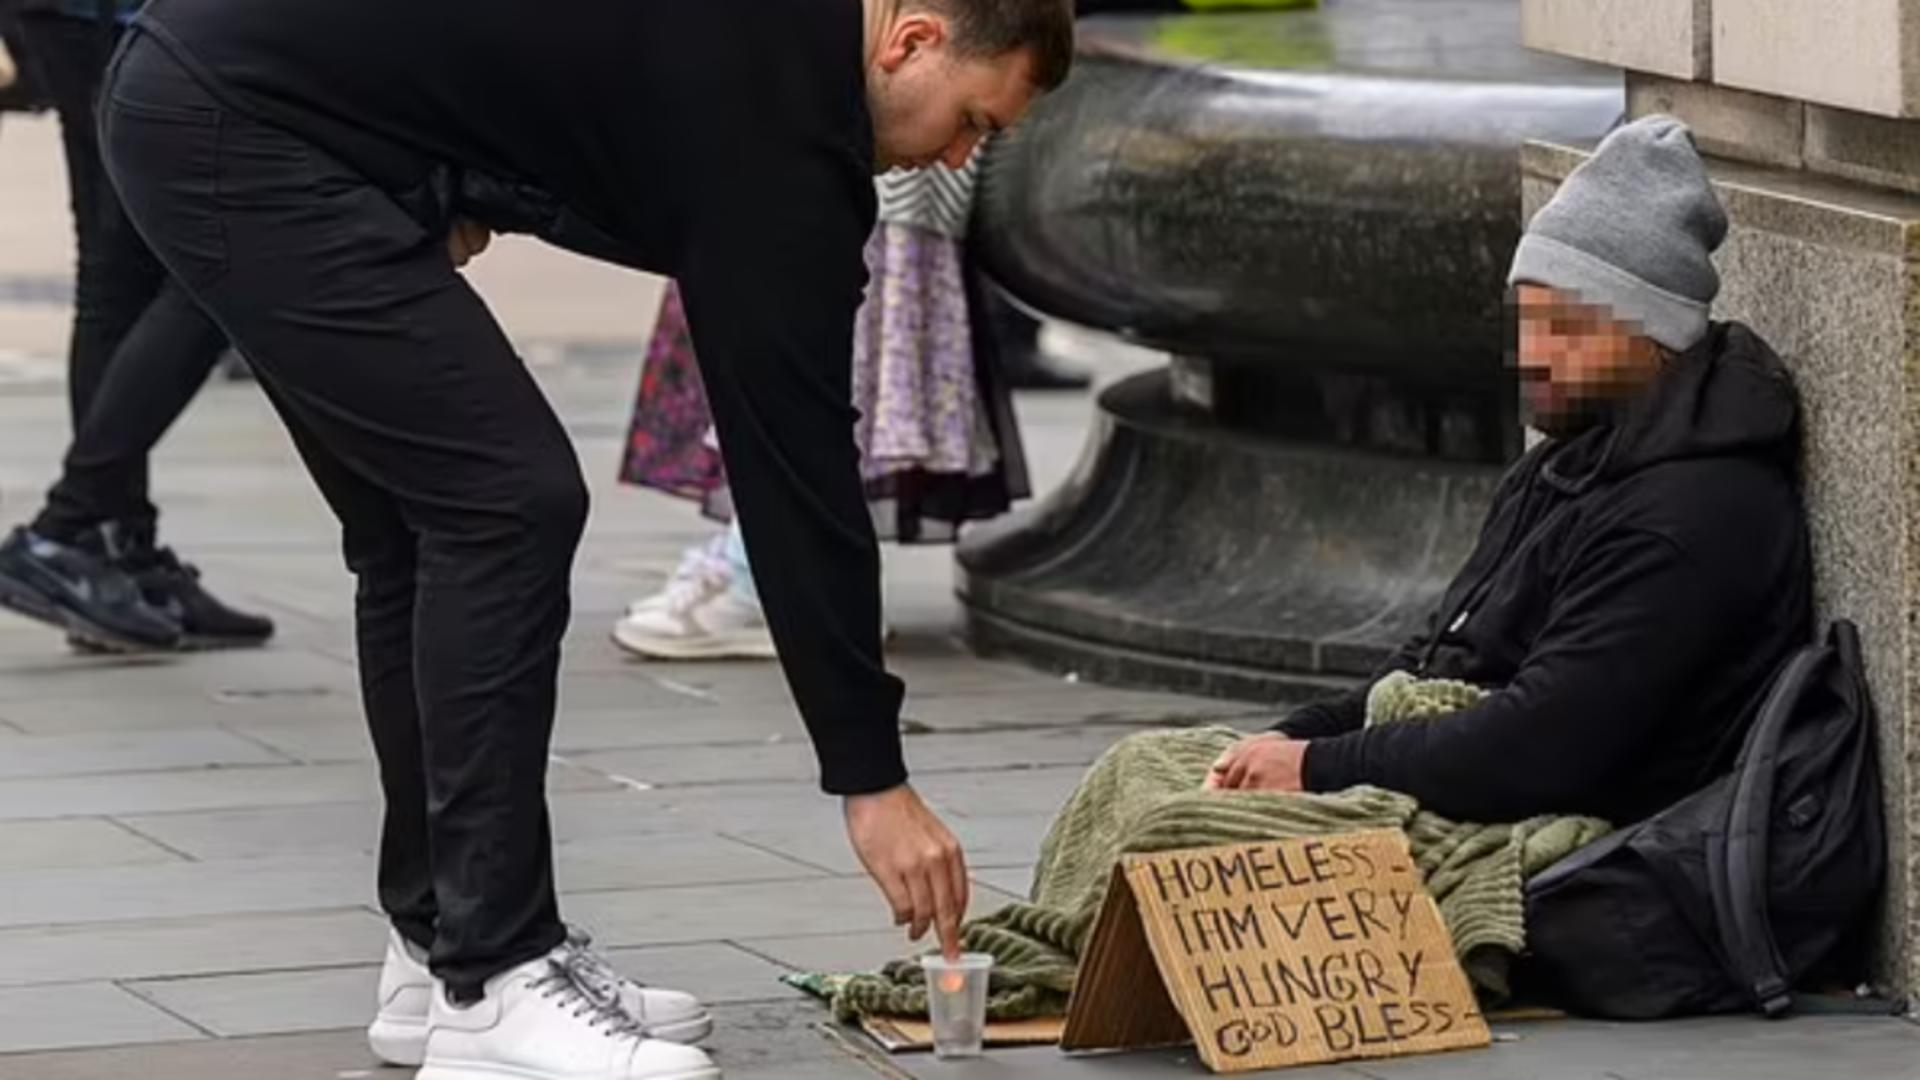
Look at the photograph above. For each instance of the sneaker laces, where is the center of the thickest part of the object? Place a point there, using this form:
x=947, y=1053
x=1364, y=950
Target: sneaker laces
x=594, y=967
x=165, y=561
x=574, y=982
x=683, y=594
x=133, y=547
x=697, y=564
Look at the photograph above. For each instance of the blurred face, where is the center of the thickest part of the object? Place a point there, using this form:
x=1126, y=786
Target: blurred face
x=930, y=106
x=1577, y=362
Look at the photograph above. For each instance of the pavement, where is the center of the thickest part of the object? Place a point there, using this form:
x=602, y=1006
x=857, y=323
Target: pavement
x=186, y=844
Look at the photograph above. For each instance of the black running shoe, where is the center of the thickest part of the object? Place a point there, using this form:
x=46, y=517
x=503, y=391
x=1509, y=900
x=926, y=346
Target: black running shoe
x=173, y=586
x=77, y=588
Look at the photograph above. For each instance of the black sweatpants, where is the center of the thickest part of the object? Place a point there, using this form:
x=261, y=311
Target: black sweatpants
x=459, y=497
x=140, y=348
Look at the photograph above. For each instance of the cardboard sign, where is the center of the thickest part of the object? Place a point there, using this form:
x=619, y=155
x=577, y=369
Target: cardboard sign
x=1292, y=952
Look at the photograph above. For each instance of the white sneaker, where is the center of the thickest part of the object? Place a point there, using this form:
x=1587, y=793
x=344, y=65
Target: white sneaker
x=695, y=561
x=398, y=1035
x=544, y=1020
x=699, y=617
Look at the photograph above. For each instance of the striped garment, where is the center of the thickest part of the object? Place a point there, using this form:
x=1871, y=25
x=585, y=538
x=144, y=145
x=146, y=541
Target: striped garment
x=937, y=199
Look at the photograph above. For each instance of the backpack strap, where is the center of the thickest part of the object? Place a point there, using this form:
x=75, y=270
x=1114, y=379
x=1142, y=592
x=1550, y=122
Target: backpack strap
x=1739, y=879
x=1862, y=1004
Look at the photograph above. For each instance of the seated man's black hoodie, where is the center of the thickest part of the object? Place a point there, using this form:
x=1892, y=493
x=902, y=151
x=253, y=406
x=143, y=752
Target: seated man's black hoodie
x=1632, y=592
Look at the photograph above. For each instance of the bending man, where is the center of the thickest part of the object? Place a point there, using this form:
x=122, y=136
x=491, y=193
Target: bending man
x=291, y=162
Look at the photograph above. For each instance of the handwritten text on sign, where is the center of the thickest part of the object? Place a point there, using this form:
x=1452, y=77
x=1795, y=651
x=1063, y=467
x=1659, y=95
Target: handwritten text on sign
x=1303, y=951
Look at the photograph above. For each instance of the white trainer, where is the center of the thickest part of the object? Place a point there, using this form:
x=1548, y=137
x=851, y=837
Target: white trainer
x=545, y=1020
x=698, y=617
x=398, y=1034
x=695, y=561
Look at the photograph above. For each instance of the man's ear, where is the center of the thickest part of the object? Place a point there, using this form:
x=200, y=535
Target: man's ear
x=909, y=36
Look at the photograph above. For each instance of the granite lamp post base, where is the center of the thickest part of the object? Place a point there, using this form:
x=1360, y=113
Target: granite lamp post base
x=1235, y=565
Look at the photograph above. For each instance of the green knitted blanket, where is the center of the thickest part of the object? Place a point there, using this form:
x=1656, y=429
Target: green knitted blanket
x=1145, y=795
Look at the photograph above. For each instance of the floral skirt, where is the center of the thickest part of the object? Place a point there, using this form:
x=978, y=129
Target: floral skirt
x=936, y=434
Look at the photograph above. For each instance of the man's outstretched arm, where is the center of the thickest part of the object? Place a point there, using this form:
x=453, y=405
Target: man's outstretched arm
x=772, y=281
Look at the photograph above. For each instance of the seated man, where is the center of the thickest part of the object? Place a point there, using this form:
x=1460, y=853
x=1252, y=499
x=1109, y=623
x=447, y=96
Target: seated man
x=1641, y=574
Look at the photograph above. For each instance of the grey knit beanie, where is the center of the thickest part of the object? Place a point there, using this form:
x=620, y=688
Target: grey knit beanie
x=1633, y=229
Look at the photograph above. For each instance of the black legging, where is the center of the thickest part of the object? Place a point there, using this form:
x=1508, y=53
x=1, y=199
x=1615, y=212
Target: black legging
x=140, y=348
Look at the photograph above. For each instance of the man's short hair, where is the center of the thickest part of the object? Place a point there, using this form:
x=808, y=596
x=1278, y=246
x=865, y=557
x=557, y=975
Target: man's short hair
x=992, y=28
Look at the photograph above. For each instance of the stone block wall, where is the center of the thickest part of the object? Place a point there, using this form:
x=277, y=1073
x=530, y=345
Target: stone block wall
x=1851, y=54
x=1671, y=37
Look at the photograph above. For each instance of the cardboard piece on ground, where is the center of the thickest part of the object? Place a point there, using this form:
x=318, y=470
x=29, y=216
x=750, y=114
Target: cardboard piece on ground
x=1290, y=952
x=899, y=1036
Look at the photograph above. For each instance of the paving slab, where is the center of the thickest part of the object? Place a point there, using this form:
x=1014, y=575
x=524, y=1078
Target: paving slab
x=716, y=973
x=74, y=842
x=184, y=889
x=81, y=1014
x=638, y=689
x=991, y=842
x=669, y=860
x=714, y=913
x=864, y=951
x=97, y=753
x=212, y=789
x=727, y=808
x=1725, y=1049
x=338, y=734
x=1034, y=1062
x=61, y=677
x=690, y=721
x=780, y=1039
x=327, y=728
x=268, y=1003
x=331, y=879
x=163, y=708
x=246, y=832
x=156, y=948
x=354, y=826
x=335, y=735
x=334, y=1055
x=759, y=682
x=1744, y=1047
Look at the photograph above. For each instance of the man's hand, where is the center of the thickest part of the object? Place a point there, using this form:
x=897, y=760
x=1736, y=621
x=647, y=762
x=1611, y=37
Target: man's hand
x=467, y=240
x=1268, y=762
x=914, y=859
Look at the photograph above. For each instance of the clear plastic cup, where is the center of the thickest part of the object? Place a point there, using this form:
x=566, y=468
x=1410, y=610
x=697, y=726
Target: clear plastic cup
x=957, y=1003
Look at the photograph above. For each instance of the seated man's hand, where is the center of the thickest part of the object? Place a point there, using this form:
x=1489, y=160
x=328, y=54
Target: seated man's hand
x=1267, y=762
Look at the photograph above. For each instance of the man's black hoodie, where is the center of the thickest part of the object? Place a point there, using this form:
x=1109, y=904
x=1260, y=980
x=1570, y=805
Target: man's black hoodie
x=1632, y=591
